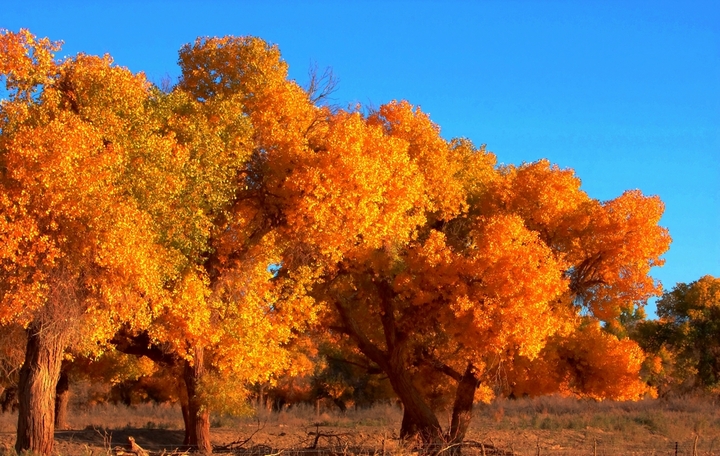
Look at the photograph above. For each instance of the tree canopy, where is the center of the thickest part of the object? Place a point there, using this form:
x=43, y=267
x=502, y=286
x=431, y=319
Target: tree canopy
x=683, y=343
x=213, y=224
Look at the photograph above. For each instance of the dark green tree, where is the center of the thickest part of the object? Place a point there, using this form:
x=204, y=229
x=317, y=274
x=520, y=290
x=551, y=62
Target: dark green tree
x=685, y=340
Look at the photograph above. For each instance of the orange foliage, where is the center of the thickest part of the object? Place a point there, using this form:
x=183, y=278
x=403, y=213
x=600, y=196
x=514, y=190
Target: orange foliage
x=609, y=247
x=73, y=236
x=231, y=213
x=588, y=363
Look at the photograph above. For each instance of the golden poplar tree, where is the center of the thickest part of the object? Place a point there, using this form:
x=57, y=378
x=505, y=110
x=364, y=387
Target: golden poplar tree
x=77, y=253
x=431, y=260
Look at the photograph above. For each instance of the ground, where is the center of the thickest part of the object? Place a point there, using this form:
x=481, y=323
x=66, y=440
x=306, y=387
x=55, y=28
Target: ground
x=548, y=426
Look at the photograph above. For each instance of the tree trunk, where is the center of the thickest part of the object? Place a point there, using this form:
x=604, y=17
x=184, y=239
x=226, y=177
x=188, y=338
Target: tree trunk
x=462, y=409
x=62, y=398
x=418, y=418
x=184, y=408
x=38, y=379
x=198, y=413
x=261, y=398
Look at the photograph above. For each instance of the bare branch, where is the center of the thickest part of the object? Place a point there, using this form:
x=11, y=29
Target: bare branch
x=321, y=86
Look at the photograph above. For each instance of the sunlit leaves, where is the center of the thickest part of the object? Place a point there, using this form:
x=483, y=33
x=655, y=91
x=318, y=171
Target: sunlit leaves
x=589, y=362
x=229, y=213
x=81, y=241
x=360, y=189
x=26, y=61
x=608, y=247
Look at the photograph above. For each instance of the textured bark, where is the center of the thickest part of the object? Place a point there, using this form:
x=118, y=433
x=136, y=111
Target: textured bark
x=185, y=409
x=418, y=418
x=62, y=398
x=198, y=413
x=38, y=379
x=462, y=409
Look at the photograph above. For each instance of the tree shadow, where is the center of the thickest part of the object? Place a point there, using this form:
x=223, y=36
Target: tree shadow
x=148, y=439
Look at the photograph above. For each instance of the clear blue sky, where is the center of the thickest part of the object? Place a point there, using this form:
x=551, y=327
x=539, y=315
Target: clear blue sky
x=627, y=93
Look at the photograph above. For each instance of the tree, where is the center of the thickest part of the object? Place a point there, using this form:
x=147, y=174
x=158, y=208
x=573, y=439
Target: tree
x=683, y=342
x=76, y=252
x=474, y=267
x=589, y=363
x=232, y=90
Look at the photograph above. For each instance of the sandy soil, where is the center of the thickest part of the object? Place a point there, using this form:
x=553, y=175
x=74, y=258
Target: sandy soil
x=546, y=427
x=248, y=440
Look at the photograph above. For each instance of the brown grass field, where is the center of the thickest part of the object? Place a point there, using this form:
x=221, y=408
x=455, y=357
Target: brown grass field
x=546, y=426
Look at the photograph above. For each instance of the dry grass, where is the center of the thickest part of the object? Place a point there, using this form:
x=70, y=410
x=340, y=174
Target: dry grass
x=569, y=426
x=550, y=425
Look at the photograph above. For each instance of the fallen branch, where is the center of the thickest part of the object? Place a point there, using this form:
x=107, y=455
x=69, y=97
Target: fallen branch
x=487, y=448
x=326, y=435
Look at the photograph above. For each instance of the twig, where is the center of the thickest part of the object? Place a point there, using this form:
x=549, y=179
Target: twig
x=135, y=448
x=319, y=434
x=237, y=444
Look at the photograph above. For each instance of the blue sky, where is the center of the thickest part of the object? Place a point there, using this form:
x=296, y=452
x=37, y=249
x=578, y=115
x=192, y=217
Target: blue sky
x=627, y=93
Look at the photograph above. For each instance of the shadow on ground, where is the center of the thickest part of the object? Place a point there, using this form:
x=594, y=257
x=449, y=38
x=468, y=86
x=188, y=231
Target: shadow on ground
x=148, y=439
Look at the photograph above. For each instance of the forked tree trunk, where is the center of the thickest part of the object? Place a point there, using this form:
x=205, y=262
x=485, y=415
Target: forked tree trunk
x=62, y=398
x=418, y=418
x=462, y=409
x=38, y=379
x=198, y=413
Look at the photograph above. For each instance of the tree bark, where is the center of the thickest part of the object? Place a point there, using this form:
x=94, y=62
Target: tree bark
x=462, y=409
x=418, y=418
x=184, y=408
x=38, y=379
x=198, y=412
x=62, y=398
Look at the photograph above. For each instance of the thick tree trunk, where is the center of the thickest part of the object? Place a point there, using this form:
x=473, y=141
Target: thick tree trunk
x=62, y=398
x=418, y=418
x=462, y=409
x=198, y=413
x=38, y=379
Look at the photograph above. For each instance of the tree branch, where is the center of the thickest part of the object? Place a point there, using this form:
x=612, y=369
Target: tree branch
x=142, y=345
x=369, y=349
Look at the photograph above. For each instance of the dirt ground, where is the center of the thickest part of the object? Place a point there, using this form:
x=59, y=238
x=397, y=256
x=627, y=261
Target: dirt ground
x=545, y=427
x=274, y=439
